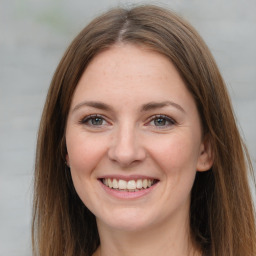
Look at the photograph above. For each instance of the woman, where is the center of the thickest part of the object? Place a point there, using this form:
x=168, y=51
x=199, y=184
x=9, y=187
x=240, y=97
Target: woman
x=138, y=151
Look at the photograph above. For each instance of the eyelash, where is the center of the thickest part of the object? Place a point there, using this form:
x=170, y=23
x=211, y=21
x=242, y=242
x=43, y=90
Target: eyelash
x=91, y=118
x=164, y=118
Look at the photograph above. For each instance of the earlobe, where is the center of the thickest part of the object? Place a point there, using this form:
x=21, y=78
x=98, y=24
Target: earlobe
x=206, y=157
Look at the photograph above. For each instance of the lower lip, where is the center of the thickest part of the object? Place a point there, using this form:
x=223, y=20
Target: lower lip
x=128, y=195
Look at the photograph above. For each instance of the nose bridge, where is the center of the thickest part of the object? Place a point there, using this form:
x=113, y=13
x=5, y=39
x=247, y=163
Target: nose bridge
x=126, y=147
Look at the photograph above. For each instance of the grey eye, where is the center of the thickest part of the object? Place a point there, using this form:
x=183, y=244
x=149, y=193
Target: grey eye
x=96, y=120
x=93, y=120
x=160, y=122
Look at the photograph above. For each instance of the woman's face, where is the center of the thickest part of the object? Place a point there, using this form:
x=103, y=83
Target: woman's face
x=134, y=140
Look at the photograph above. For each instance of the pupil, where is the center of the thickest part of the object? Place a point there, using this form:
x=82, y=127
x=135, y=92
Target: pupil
x=97, y=121
x=160, y=122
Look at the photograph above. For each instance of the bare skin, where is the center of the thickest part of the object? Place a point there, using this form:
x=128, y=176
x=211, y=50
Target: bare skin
x=132, y=118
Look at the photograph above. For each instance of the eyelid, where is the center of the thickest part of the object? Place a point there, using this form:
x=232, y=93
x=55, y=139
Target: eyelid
x=167, y=118
x=170, y=121
x=87, y=118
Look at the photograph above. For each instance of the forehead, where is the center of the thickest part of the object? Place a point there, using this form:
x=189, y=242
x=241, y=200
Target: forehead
x=128, y=72
x=127, y=60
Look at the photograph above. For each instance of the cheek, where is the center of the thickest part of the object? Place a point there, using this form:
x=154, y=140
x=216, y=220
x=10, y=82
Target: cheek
x=84, y=152
x=177, y=153
x=177, y=158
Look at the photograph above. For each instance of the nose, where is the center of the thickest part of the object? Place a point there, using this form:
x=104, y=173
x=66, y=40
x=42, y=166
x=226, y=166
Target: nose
x=126, y=147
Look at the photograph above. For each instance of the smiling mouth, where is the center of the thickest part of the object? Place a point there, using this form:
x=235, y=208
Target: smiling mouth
x=130, y=185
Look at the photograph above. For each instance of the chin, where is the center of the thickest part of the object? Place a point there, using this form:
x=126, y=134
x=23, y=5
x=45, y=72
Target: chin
x=126, y=220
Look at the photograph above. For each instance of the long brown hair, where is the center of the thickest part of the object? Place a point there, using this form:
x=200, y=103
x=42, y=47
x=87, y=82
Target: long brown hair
x=221, y=214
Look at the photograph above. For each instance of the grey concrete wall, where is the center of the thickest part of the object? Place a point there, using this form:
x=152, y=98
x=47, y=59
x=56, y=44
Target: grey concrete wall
x=33, y=37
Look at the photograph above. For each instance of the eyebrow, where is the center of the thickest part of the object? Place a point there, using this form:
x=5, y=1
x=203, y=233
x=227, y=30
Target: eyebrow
x=156, y=105
x=94, y=104
x=146, y=107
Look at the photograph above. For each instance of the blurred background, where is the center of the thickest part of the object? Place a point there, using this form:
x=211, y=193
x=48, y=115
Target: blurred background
x=33, y=36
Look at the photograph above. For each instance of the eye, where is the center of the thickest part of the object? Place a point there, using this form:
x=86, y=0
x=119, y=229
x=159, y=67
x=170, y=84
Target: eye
x=161, y=121
x=94, y=120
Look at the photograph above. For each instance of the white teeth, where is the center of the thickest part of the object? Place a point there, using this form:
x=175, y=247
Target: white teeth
x=122, y=184
x=139, y=184
x=110, y=184
x=144, y=183
x=130, y=185
x=115, y=183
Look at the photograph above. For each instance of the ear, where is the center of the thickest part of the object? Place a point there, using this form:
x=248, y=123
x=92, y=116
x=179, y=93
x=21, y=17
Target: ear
x=206, y=157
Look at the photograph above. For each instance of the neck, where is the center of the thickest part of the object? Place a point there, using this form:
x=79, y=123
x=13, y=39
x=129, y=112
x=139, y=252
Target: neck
x=164, y=240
